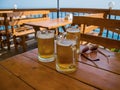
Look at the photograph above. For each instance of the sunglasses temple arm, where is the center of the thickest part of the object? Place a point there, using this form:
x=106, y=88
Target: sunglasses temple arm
x=89, y=58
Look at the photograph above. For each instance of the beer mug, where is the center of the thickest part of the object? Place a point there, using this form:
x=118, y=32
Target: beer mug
x=45, y=45
x=76, y=32
x=66, y=54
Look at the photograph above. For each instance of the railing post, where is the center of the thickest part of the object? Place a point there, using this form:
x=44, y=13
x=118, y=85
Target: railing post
x=111, y=5
x=57, y=8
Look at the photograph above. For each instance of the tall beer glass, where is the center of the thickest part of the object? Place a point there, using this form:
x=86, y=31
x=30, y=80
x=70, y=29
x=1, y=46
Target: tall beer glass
x=66, y=54
x=76, y=32
x=45, y=45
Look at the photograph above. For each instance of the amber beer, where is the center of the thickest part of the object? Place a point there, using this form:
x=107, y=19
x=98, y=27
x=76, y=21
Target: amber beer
x=45, y=45
x=66, y=50
x=76, y=32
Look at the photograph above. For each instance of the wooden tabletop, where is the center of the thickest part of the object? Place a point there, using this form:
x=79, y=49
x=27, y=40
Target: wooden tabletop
x=25, y=72
x=50, y=23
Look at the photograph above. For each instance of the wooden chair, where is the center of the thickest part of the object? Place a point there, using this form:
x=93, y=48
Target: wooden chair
x=102, y=23
x=5, y=33
x=19, y=30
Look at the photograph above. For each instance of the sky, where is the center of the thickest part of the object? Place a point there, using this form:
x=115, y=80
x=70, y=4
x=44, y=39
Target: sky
x=9, y=4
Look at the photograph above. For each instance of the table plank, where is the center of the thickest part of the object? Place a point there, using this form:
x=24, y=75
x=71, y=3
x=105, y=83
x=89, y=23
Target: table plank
x=9, y=82
x=91, y=75
x=50, y=24
x=40, y=76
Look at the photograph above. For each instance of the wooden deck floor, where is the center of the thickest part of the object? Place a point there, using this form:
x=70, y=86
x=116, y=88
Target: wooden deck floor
x=4, y=53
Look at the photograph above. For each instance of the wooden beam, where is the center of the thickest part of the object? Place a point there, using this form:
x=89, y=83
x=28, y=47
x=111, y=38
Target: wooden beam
x=96, y=21
x=106, y=42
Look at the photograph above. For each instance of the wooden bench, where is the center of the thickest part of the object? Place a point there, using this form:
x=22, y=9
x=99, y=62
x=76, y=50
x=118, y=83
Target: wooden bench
x=102, y=23
x=20, y=30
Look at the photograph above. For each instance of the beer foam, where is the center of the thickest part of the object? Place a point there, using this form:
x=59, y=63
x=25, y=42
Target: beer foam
x=66, y=42
x=46, y=36
x=73, y=30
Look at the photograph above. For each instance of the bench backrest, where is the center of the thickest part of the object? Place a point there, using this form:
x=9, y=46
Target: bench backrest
x=96, y=15
x=20, y=17
x=107, y=23
x=85, y=28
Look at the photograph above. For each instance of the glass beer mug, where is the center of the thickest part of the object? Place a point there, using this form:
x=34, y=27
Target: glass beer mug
x=66, y=54
x=76, y=32
x=45, y=45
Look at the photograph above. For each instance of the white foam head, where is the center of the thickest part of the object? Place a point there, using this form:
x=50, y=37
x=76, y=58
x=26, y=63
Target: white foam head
x=73, y=30
x=45, y=34
x=66, y=42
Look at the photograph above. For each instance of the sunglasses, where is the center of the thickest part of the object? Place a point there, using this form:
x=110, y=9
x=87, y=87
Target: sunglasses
x=92, y=48
x=88, y=50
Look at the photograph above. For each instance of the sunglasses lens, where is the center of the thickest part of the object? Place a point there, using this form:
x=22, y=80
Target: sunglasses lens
x=93, y=47
x=85, y=49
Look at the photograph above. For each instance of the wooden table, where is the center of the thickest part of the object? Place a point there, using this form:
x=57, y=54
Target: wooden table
x=50, y=24
x=25, y=72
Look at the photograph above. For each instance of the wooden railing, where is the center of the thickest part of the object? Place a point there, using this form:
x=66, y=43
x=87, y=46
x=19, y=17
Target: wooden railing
x=63, y=11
